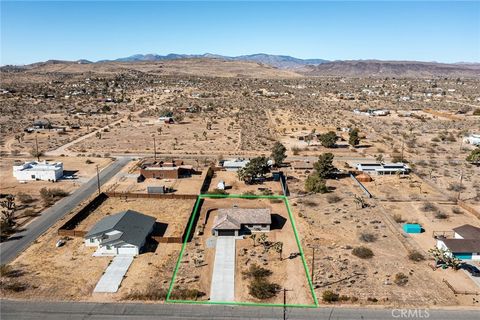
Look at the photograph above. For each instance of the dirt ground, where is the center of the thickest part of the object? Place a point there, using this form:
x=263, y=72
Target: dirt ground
x=172, y=212
x=198, y=274
x=234, y=186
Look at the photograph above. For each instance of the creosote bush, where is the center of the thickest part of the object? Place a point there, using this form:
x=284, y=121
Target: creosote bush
x=362, y=252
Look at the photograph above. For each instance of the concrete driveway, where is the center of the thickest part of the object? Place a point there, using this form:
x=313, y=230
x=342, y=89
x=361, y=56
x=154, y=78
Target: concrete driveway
x=113, y=276
x=223, y=278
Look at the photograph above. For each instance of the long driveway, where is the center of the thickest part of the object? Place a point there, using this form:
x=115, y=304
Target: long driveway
x=113, y=276
x=21, y=240
x=223, y=277
x=39, y=310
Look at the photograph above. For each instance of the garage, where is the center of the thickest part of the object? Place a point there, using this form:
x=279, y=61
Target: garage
x=226, y=232
x=128, y=250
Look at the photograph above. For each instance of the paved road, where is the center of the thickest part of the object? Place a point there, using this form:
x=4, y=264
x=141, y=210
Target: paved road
x=36, y=310
x=223, y=277
x=21, y=240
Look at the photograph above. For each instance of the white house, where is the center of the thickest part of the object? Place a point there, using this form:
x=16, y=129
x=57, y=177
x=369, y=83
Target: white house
x=383, y=168
x=472, y=139
x=34, y=170
x=235, y=164
x=465, y=244
x=121, y=233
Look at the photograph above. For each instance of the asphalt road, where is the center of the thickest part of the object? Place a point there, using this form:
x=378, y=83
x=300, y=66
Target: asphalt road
x=21, y=240
x=103, y=311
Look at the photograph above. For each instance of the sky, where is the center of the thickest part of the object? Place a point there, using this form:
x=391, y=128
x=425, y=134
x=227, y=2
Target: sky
x=445, y=31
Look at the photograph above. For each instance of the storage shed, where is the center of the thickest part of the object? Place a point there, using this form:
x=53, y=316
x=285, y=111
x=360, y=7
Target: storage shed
x=412, y=228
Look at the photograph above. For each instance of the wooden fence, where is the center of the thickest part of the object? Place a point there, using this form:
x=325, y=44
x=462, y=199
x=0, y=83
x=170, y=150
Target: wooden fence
x=130, y=195
x=468, y=208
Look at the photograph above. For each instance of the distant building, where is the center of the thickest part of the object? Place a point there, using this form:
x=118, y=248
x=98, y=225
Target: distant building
x=235, y=221
x=383, y=168
x=33, y=170
x=122, y=233
x=166, y=170
x=235, y=164
x=42, y=124
x=168, y=120
x=302, y=165
x=472, y=139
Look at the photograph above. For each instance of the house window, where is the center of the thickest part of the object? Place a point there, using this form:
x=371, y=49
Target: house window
x=92, y=240
x=109, y=247
x=264, y=225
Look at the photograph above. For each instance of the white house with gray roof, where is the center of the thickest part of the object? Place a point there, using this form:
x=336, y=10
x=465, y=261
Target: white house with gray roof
x=122, y=233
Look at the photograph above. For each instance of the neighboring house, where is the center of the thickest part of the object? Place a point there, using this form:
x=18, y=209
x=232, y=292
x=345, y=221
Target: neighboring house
x=42, y=124
x=166, y=170
x=168, y=120
x=383, y=168
x=465, y=244
x=121, y=233
x=236, y=221
x=235, y=164
x=34, y=170
x=472, y=139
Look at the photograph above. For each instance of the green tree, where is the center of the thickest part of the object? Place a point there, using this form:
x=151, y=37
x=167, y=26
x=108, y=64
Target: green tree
x=315, y=183
x=328, y=139
x=257, y=167
x=324, y=166
x=474, y=156
x=279, y=153
x=353, y=138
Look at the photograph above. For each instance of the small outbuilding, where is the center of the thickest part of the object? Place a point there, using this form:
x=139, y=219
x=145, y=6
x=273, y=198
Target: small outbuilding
x=412, y=228
x=364, y=178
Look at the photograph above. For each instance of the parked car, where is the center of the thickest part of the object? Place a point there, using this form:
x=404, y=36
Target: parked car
x=474, y=271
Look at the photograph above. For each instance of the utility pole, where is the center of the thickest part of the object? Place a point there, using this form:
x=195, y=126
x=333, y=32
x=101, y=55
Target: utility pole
x=403, y=142
x=313, y=263
x=36, y=147
x=154, y=149
x=98, y=181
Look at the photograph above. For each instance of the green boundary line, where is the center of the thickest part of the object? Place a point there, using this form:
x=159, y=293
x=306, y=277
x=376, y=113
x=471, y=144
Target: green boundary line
x=297, y=239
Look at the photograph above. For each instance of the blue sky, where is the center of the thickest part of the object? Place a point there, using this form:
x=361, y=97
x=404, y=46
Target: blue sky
x=429, y=31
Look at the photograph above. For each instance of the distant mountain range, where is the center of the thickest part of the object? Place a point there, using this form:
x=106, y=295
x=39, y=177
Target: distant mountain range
x=295, y=66
x=278, y=61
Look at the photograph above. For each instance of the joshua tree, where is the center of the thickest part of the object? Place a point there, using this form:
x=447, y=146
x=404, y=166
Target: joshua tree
x=8, y=211
x=361, y=203
x=253, y=236
x=278, y=246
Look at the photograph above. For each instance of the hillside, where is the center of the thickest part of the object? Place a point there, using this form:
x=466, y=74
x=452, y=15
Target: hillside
x=405, y=69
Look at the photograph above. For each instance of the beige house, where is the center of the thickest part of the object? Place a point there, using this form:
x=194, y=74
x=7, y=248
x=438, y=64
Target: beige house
x=237, y=221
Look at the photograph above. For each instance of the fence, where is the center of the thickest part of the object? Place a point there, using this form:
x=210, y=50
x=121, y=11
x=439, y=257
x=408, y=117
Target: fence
x=72, y=223
x=283, y=182
x=168, y=239
x=468, y=208
x=127, y=195
x=455, y=291
x=367, y=193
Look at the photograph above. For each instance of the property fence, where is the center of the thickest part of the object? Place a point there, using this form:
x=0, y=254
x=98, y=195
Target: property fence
x=133, y=195
x=443, y=234
x=168, y=239
x=468, y=208
x=455, y=291
x=283, y=182
x=365, y=190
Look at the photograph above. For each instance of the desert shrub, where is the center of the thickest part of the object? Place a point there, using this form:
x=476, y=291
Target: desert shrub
x=330, y=296
x=88, y=161
x=428, y=206
x=332, y=198
x=50, y=195
x=25, y=198
x=249, y=193
x=372, y=299
x=416, y=256
x=255, y=271
x=261, y=288
x=456, y=210
x=441, y=215
x=186, y=294
x=5, y=270
x=310, y=203
x=362, y=252
x=367, y=237
x=315, y=184
x=400, y=279
x=151, y=293
x=296, y=150
x=457, y=187
x=476, y=112
x=398, y=218
x=13, y=286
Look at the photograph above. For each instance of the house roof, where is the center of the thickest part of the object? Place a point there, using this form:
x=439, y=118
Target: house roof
x=467, y=231
x=302, y=165
x=133, y=226
x=462, y=245
x=234, y=218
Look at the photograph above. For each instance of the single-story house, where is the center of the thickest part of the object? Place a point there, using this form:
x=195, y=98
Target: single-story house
x=472, y=139
x=168, y=120
x=42, y=124
x=235, y=221
x=34, y=170
x=121, y=233
x=465, y=244
x=235, y=164
x=166, y=170
x=383, y=168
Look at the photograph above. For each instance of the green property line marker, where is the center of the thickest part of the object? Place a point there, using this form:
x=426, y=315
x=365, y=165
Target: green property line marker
x=187, y=236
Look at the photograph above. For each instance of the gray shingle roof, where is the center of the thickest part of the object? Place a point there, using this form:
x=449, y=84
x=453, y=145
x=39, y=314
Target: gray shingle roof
x=233, y=218
x=467, y=231
x=462, y=245
x=134, y=228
